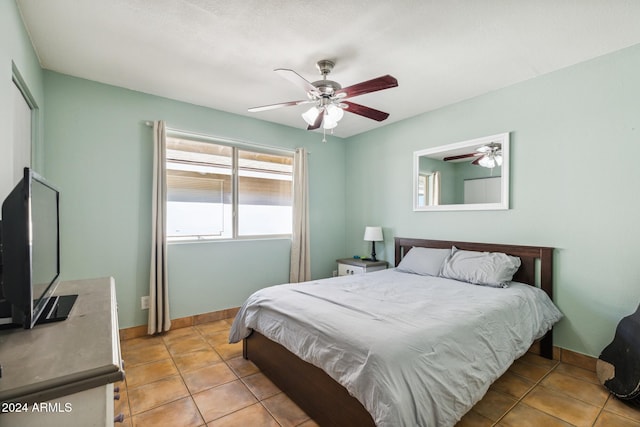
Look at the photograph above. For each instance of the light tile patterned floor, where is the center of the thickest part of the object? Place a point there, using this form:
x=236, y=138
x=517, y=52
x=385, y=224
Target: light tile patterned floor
x=193, y=377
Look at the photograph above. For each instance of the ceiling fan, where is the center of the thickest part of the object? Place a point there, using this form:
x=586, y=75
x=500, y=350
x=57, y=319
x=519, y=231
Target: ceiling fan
x=488, y=156
x=329, y=98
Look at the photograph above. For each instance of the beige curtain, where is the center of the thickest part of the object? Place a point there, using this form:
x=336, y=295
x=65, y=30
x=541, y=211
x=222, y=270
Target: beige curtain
x=300, y=257
x=159, y=320
x=436, y=188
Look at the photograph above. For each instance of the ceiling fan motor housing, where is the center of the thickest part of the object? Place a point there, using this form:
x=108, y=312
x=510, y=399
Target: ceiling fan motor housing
x=326, y=87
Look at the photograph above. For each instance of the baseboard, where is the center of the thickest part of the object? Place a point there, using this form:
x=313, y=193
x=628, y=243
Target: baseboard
x=569, y=357
x=577, y=359
x=182, y=322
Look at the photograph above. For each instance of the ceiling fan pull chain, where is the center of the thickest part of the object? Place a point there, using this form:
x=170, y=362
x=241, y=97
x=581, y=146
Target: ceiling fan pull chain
x=324, y=135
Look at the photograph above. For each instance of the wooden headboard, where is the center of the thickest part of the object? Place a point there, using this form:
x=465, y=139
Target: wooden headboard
x=529, y=255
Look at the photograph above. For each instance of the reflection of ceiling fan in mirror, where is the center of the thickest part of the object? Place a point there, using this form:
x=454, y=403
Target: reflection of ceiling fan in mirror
x=329, y=98
x=488, y=156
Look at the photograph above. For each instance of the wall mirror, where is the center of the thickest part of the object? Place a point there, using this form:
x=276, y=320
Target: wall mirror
x=467, y=175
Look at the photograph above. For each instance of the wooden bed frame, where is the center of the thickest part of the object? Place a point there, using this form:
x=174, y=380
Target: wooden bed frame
x=324, y=399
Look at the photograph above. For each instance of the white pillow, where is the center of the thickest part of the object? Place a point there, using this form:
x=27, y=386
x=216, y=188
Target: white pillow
x=423, y=261
x=481, y=268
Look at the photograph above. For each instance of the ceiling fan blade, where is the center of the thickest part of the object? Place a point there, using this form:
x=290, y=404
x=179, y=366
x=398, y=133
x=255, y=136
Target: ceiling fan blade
x=477, y=161
x=367, y=112
x=297, y=80
x=280, y=105
x=462, y=156
x=373, y=85
x=318, y=121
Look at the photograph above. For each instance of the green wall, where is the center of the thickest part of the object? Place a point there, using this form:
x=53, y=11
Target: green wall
x=575, y=153
x=99, y=152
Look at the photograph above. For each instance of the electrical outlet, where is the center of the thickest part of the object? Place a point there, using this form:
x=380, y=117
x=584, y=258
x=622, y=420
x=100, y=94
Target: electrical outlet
x=335, y=273
x=144, y=303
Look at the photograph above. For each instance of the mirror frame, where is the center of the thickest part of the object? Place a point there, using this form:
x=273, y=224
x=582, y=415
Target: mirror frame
x=502, y=138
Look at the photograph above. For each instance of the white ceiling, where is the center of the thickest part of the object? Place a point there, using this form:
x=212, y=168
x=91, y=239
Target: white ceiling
x=221, y=54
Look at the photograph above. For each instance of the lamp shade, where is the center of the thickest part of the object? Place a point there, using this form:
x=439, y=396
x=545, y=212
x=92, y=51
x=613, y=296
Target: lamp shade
x=373, y=234
x=310, y=115
x=328, y=122
x=336, y=113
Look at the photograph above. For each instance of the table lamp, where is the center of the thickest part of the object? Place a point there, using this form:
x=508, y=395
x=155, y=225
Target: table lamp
x=373, y=235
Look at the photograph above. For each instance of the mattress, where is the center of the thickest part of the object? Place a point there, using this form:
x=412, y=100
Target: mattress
x=414, y=350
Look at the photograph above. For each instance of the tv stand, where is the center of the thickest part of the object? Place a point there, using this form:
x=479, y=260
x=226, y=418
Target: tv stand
x=57, y=309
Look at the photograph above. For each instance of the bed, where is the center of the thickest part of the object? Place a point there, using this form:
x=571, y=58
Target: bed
x=327, y=353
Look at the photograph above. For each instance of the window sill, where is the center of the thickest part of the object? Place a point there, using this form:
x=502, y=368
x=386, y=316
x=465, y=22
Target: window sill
x=238, y=239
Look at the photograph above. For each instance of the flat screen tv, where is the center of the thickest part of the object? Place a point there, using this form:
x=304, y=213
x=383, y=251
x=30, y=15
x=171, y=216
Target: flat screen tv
x=30, y=255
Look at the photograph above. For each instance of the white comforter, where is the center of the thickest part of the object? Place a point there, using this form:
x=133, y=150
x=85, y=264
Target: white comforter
x=414, y=350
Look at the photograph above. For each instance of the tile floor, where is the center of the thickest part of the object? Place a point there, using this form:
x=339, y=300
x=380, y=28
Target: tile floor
x=193, y=377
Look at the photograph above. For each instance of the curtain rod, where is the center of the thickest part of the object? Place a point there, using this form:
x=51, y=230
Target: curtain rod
x=232, y=141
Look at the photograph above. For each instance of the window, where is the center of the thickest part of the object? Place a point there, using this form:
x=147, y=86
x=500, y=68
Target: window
x=429, y=189
x=218, y=191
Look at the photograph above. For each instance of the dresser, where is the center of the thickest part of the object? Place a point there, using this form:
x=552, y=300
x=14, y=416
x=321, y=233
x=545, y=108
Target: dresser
x=62, y=373
x=348, y=266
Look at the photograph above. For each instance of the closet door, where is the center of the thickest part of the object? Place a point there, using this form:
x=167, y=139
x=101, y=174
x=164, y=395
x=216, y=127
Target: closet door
x=482, y=190
x=21, y=133
x=16, y=150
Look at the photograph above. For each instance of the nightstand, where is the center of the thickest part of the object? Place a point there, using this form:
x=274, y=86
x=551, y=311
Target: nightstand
x=348, y=266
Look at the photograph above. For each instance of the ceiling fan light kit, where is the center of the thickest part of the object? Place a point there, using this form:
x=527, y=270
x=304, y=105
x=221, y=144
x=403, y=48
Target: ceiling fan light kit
x=490, y=161
x=332, y=115
x=328, y=97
